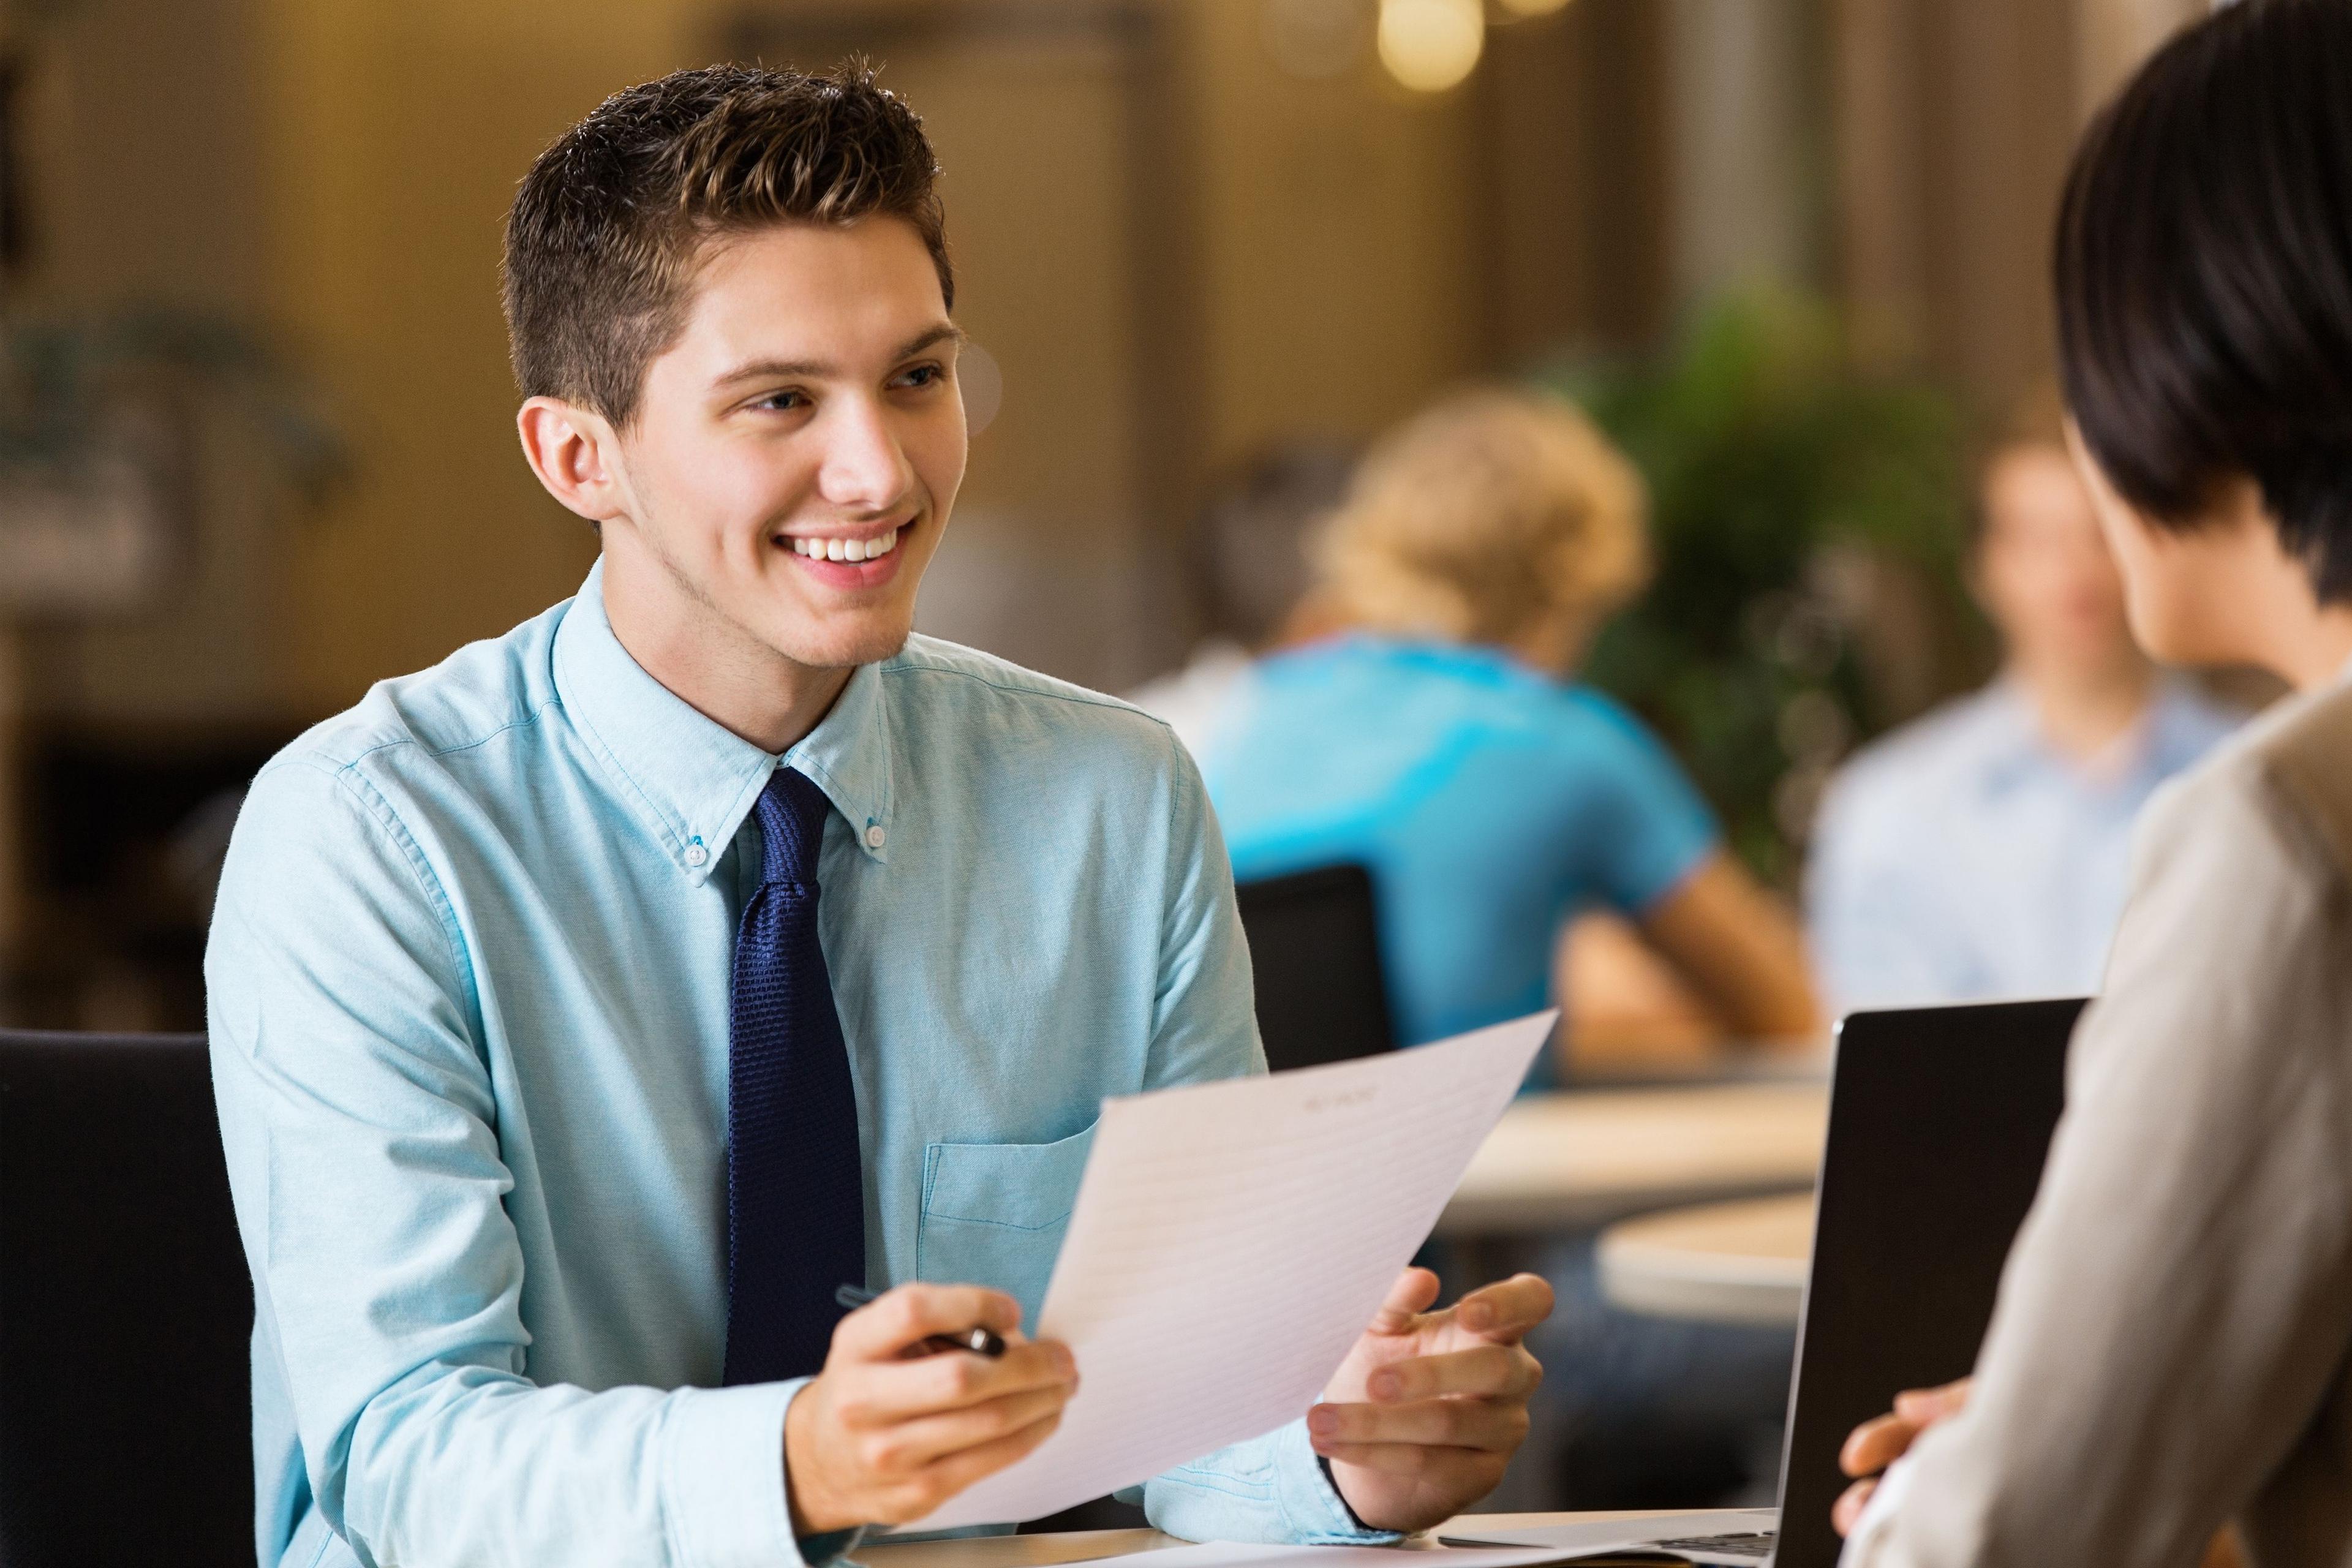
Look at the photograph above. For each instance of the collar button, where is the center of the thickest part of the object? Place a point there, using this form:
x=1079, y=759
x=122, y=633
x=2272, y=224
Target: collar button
x=874, y=835
x=696, y=855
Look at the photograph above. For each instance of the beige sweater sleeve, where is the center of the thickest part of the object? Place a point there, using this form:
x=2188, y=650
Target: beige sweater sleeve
x=2180, y=1300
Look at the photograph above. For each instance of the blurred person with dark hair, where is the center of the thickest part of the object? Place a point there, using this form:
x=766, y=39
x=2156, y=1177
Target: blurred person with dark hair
x=1437, y=737
x=587, y=1010
x=1247, y=554
x=2172, y=1347
x=1983, y=850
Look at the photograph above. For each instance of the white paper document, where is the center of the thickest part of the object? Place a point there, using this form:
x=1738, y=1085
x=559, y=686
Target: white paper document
x=1230, y=1242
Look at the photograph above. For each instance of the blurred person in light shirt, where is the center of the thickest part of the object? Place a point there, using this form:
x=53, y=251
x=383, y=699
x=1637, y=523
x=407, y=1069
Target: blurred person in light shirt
x=1983, y=850
x=1247, y=558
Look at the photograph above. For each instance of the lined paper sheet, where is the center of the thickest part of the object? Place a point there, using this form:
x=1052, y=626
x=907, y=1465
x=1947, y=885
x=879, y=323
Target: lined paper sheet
x=1230, y=1242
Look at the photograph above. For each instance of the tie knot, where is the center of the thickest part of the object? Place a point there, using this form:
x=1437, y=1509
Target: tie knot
x=792, y=827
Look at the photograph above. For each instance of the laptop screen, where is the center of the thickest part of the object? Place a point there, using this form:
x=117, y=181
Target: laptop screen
x=1939, y=1121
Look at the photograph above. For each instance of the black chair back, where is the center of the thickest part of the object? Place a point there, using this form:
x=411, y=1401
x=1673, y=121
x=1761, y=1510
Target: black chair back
x=1315, y=944
x=125, y=1307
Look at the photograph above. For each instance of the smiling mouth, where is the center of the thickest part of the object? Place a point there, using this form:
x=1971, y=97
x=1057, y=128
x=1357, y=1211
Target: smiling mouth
x=847, y=549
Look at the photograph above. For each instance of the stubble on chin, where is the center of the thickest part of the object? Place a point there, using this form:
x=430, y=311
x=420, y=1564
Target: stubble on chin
x=789, y=628
x=864, y=648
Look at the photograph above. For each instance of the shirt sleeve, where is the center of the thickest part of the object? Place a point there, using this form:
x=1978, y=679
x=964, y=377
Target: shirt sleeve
x=1204, y=1013
x=1205, y=1028
x=363, y=1136
x=1650, y=829
x=2171, y=1316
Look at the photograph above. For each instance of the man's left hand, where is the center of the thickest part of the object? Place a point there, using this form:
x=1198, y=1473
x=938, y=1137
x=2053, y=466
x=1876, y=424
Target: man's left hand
x=1429, y=1406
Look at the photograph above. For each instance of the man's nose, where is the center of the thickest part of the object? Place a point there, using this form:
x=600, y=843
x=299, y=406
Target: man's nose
x=864, y=468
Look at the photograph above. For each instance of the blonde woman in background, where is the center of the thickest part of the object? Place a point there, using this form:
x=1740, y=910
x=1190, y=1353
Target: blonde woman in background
x=1432, y=731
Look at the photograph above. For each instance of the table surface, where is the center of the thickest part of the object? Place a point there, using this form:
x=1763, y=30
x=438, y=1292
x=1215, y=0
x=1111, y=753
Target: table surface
x=1582, y=1159
x=1722, y=1263
x=1090, y=1546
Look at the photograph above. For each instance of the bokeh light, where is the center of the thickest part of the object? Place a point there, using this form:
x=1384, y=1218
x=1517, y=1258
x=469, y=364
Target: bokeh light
x=1430, y=45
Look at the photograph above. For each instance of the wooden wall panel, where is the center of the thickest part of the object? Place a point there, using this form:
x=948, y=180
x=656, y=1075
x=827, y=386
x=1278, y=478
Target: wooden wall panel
x=1956, y=122
x=1580, y=181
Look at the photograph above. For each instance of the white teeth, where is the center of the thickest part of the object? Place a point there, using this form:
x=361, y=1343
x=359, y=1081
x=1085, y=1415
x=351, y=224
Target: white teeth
x=845, y=549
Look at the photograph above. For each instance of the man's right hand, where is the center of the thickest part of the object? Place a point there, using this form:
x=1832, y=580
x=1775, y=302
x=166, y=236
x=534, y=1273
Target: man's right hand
x=1879, y=1442
x=890, y=1429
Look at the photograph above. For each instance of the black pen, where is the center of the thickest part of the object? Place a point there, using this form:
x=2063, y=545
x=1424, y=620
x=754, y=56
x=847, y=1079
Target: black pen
x=979, y=1340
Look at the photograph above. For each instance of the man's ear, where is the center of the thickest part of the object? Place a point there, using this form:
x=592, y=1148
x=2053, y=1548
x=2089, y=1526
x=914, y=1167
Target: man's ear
x=576, y=454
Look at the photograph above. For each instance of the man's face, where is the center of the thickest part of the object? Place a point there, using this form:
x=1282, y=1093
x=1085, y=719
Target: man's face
x=2044, y=571
x=796, y=453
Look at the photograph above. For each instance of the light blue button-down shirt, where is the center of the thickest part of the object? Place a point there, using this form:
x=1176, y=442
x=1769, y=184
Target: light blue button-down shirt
x=469, y=992
x=1963, y=859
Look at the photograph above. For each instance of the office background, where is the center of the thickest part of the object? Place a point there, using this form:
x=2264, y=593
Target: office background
x=257, y=450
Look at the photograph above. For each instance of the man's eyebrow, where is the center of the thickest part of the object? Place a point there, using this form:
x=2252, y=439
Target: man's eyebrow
x=945, y=332
x=780, y=369
x=818, y=370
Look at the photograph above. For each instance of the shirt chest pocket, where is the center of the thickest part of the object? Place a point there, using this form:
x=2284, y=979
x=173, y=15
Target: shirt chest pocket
x=994, y=1214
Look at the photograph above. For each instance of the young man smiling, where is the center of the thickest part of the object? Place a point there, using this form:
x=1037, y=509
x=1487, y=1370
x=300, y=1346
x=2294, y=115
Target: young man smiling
x=587, y=1009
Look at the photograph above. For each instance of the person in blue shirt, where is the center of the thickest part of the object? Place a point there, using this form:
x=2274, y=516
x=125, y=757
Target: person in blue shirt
x=587, y=1009
x=1984, y=850
x=1439, y=740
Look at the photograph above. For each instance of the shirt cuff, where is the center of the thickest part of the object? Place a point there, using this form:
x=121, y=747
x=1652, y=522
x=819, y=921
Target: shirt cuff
x=1310, y=1502
x=723, y=1481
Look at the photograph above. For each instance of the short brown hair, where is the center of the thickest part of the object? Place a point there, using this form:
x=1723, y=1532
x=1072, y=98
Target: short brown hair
x=605, y=235
x=1492, y=515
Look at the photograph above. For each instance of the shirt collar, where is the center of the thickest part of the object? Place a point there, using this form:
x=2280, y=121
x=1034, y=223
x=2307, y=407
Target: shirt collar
x=690, y=780
x=2013, y=749
x=2158, y=745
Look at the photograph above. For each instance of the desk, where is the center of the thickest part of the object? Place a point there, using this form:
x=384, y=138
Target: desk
x=1092, y=1545
x=1725, y=1263
x=1583, y=1159
x=1017, y=1551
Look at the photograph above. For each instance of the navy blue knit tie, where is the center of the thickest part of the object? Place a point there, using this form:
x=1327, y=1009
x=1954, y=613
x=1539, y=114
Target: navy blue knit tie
x=795, y=1201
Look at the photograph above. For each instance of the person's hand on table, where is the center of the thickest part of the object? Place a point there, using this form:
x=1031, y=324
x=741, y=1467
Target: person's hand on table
x=891, y=1429
x=1427, y=1409
x=1880, y=1441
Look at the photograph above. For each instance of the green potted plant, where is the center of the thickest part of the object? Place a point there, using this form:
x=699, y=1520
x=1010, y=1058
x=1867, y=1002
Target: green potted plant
x=1807, y=523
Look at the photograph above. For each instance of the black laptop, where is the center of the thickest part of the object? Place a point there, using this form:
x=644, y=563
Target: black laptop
x=1939, y=1121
